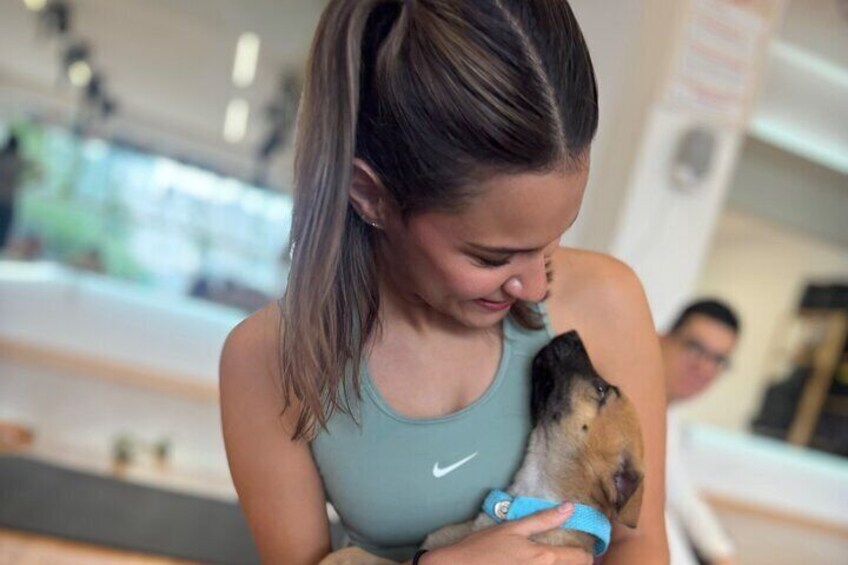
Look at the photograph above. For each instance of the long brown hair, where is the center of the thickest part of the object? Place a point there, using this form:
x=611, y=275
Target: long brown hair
x=434, y=95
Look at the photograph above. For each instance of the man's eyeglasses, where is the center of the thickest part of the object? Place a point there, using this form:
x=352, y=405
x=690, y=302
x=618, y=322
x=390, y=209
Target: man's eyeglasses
x=698, y=350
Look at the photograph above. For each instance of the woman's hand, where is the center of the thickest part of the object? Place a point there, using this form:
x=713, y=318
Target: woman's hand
x=508, y=544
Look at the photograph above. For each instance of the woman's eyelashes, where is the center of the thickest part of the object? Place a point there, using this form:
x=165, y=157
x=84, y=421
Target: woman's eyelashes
x=491, y=263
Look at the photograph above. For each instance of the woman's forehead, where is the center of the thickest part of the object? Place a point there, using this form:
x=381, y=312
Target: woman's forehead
x=517, y=210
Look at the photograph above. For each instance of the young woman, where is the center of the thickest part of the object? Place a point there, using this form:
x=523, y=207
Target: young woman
x=442, y=151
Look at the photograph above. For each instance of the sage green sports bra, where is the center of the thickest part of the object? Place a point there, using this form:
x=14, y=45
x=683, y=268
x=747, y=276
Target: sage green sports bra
x=393, y=479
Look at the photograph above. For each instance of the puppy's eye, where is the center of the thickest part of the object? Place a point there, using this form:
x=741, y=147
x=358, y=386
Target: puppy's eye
x=602, y=388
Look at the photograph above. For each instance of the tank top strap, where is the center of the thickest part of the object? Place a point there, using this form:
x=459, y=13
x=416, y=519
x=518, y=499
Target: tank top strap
x=529, y=340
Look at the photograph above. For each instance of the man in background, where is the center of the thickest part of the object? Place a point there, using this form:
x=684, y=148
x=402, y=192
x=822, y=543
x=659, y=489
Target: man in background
x=695, y=351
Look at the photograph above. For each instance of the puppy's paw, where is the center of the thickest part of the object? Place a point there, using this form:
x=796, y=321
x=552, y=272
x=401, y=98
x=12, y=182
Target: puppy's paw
x=448, y=535
x=354, y=556
x=565, y=538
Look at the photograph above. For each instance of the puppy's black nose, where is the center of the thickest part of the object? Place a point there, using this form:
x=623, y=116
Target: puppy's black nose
x=565, y=349
x=554, y=367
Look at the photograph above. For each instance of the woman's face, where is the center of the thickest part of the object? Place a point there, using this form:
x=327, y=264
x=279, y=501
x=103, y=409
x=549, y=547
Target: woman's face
x=474, y=264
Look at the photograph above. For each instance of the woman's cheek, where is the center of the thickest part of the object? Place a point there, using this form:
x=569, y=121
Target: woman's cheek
x=472, y=283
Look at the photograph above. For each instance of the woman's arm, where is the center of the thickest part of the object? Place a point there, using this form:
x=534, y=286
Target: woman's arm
x=603, y=300
x=278, y=485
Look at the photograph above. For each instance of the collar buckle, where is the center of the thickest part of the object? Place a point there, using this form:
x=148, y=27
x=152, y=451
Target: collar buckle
x=502, y=509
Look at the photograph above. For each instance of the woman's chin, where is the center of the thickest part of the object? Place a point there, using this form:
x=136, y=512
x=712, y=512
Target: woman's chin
x=475, y=316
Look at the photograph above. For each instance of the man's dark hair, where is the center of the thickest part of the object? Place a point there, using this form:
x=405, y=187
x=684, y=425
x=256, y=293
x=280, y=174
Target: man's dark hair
x=715, y=309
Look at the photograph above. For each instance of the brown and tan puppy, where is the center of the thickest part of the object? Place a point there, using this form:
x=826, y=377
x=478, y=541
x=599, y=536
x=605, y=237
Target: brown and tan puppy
x=585, y=447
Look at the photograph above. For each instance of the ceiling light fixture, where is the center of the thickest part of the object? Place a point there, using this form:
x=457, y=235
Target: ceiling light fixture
x=35, y=5
x=79, y=74
x=247, y=56
x=235, y=120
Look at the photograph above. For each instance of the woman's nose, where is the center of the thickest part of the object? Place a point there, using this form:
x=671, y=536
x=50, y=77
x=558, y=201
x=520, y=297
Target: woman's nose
x=531, y=283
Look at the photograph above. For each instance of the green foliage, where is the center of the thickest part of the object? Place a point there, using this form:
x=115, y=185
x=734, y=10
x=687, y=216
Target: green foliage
x=69, y=228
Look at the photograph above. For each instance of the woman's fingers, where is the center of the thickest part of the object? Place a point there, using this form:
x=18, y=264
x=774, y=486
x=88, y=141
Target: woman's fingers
x=543, y=521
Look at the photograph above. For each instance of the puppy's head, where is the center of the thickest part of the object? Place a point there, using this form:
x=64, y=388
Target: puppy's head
x=591, y=431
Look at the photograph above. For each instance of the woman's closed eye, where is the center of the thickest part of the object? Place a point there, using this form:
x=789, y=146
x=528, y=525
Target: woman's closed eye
x=492, y=262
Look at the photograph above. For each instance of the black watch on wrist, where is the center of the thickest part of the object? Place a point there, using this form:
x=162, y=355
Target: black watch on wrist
x=417, y=557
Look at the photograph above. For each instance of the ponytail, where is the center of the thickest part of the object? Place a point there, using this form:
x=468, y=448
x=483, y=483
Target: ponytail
x=330, y=304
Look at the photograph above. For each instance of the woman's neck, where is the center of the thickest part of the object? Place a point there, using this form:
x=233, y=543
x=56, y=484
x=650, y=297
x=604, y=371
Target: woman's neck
x=402, y=308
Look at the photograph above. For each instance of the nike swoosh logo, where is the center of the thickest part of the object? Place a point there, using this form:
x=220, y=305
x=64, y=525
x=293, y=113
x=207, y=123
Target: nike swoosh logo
x=441, y=472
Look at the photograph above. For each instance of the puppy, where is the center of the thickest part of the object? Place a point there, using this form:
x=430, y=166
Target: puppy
x=585, y=447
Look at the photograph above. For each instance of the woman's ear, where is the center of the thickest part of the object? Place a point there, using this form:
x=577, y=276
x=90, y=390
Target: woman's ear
x=368, y=195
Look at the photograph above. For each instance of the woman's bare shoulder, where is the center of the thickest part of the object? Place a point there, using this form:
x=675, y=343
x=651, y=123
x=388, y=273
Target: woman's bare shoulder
x=593, y=287
x=252, y=346
x=259, y=330
x=249, y=370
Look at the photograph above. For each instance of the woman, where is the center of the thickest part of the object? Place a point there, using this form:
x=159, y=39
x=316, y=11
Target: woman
x=442, y=151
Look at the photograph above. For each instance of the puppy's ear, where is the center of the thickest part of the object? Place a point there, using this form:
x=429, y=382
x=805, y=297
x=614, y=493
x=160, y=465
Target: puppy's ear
x=628, y=486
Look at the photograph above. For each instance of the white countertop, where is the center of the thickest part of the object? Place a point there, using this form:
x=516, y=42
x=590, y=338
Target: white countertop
x=48, y=305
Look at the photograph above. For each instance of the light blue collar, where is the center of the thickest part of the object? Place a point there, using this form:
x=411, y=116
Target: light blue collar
x=502, y=507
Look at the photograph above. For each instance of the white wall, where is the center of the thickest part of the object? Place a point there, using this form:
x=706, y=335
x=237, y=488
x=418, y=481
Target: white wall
x=630, y=50
x=615, y=39
x=760, y=268
x=664, y=233
x=792, y=191
x=631, y=209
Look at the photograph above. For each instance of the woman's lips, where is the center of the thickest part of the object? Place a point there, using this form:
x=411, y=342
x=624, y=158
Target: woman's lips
x=496, y=306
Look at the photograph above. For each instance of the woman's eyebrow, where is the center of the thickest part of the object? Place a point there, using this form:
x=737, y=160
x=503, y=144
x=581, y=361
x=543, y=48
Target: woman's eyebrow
x=503, y=250
x=512, y=250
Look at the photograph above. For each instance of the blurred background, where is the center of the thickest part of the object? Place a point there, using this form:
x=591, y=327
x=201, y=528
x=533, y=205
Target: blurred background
x=145, y=179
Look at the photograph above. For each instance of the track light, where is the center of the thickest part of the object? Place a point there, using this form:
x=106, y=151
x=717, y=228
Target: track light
x=79, y=73
x=235, y=120
x=35, y=5
x=247, y=55
x=55, y=17
x=74, y=53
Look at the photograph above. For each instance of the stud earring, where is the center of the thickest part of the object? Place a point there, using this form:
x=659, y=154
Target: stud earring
x=371, y=223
